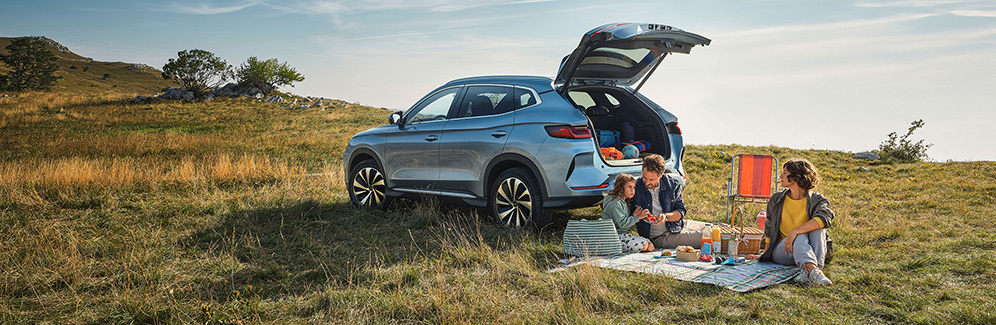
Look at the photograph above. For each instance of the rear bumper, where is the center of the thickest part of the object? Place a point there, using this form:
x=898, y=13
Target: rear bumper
x=572, y=202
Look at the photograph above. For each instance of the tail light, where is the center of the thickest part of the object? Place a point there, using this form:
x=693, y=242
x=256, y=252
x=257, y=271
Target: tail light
x=568, y=131
x=673, y=128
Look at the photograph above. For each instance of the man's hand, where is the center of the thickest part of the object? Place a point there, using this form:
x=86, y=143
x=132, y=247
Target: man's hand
x=673, y=216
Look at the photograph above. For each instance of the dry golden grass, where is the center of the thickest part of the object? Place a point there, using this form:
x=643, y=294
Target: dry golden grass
x=35, y=101
x=122, y=172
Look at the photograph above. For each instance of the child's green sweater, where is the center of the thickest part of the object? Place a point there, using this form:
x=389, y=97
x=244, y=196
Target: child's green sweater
x=617, y=210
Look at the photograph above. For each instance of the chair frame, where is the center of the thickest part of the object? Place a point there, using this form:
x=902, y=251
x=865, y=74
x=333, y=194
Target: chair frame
x=733, y=196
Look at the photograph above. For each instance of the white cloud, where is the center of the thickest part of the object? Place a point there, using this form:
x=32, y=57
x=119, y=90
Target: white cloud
x=201, y=8
x=915, y=3
x=974, y=13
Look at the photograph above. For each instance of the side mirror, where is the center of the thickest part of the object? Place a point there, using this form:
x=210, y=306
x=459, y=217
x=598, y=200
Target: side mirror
x=394, y=118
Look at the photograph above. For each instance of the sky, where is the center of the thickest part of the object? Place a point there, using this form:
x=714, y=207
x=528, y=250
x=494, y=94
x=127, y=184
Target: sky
x=803, y=74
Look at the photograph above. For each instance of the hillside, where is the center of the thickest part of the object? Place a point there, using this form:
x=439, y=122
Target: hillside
x=82, y=75
x=235, y=211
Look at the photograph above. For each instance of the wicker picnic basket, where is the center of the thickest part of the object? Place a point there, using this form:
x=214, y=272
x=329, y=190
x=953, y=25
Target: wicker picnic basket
x=751, y=237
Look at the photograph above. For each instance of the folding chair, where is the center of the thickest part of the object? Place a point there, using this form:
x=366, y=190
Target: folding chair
x=753, y=178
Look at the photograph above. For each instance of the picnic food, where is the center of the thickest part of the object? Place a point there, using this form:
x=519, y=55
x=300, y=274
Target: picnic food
x=666, y=253
x=686, y=249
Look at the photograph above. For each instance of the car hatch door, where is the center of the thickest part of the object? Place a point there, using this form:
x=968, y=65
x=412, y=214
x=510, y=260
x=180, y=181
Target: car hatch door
x=622, y=54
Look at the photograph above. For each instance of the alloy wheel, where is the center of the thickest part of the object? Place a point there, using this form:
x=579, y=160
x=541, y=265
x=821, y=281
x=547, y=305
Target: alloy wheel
x=368, y=187
x=513, y=203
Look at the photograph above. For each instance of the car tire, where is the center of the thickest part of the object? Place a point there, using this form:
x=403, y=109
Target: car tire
x=367, y=186
x=516, y=201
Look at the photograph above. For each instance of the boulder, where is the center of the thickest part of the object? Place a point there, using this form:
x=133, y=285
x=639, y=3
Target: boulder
x=208, y=98
x=274, y=99
x=863, y=169
x=177, y=93
x=304, y=107
x=870, y=156
x=137, y=99
x=318, y=104
x=257, y=96
x=228, y=90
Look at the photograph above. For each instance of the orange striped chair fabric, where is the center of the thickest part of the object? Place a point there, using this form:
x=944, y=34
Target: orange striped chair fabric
x=755, y=177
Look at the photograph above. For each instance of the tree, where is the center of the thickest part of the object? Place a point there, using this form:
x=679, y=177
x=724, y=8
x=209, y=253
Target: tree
x=197, y=70
x=31, y=65
x=266, y=75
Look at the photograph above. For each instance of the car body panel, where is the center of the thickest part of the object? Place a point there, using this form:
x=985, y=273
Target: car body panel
x=466, y=145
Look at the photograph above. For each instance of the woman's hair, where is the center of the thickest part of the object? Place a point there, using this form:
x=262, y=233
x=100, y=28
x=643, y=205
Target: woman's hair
x=802, y=172
x=619, y=186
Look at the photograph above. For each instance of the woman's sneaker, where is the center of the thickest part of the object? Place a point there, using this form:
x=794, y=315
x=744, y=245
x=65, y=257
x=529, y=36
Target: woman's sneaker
x=816, y=277
x=803, y=276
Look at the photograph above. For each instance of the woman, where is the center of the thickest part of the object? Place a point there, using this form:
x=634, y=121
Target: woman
x=615, y=208
x=797, y=222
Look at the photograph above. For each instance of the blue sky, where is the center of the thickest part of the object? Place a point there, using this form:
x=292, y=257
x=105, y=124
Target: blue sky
x=801, y=74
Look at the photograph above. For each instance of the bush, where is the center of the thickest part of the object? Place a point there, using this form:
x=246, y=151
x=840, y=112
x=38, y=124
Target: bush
x=904, y=150
x=266, y=75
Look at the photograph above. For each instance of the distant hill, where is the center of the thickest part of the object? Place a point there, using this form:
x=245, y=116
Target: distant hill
x=84, y=75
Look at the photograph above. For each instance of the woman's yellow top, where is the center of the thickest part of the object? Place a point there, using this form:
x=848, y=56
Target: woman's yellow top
x=794, y=214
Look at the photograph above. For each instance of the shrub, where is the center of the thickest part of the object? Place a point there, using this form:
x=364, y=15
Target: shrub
x=904, y=150
x=266, y=75
x=197, y=71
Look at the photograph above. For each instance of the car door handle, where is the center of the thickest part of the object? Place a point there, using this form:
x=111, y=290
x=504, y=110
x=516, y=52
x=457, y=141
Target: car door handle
x=431, y=138
x=499, y=133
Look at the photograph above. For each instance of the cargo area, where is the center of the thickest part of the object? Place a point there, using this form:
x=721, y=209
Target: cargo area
x=623, y=128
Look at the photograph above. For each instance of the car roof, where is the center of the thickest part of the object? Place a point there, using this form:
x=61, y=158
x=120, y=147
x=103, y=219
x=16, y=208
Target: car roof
x=540, y=84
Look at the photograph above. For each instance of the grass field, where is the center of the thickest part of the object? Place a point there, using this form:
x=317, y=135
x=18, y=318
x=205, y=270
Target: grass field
x=177, y=212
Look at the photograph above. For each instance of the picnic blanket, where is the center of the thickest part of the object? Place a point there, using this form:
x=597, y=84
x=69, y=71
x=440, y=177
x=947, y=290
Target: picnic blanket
x=742, y=277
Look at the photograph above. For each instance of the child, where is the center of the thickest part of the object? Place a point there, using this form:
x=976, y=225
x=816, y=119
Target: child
x=615, y=207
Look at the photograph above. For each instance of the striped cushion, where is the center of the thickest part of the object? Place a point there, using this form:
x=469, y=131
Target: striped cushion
x=591, y=238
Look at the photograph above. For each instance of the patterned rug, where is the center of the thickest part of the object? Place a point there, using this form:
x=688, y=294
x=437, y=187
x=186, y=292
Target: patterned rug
x=742, y=277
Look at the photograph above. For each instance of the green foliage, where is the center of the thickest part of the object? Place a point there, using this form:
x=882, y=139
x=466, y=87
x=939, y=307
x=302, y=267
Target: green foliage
x=31, y=65
x=266, y=75
x=902, y=149
x=197, y=70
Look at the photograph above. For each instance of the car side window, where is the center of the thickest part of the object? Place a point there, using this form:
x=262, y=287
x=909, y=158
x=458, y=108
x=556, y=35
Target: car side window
x=581, y=99
x=434, y=108
x=524, y=98
x=486, y=100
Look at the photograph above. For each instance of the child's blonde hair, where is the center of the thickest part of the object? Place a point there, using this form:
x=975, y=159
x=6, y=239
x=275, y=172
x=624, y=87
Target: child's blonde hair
x=618, y=187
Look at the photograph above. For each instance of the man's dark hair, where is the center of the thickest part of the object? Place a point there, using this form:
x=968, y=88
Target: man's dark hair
x=654, y=163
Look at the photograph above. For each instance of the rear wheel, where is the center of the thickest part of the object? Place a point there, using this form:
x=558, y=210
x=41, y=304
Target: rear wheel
x=368, y=187
x=516, y=201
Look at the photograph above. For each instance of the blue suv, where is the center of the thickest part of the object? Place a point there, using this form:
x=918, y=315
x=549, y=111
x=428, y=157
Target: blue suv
x=523, y=146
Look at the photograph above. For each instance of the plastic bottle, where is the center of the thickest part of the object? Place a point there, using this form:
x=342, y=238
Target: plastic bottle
x=762, y=217
x=707, y=238
x=717, y=240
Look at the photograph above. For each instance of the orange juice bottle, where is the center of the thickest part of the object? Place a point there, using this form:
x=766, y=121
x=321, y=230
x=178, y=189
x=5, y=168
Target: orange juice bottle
x=707, y=237
x=717, y=239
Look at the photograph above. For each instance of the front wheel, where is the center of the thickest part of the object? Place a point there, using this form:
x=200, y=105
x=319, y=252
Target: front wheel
x=516, y=201
x=367, y=186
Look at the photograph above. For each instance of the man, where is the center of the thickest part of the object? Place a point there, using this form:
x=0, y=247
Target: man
x=660, y=193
